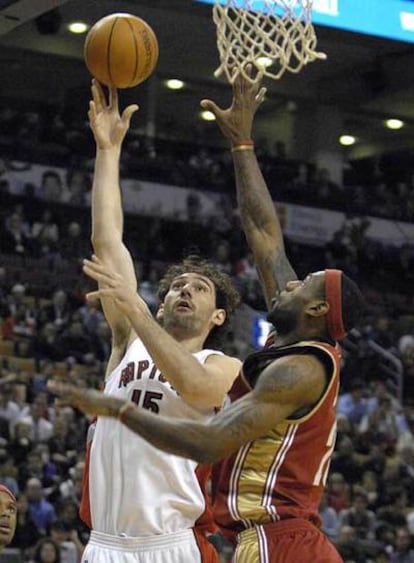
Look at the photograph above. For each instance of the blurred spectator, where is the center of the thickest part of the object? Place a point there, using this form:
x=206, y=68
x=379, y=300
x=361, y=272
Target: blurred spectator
x=394, y=513
x=337, y=492
x=352, y=404
x=41, y=512
x=51, y=186
x=381, y=424
x=349, y=546
x=46, y=551
x=8, y=473
x=27, y=533
x=330, y=520
x=78, y=186
x=58, y=312
x=41, y=428
x=403, y=552
x=221, y=258
x=45, y=234
x=68, y=541
x=359, y=517
x=73, y=245
x=345, y=461
x=13, y=239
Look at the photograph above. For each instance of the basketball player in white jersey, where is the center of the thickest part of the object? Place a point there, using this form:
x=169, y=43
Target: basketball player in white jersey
x=142, y=505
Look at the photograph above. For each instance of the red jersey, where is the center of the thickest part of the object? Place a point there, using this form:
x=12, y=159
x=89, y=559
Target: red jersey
x=280, y=475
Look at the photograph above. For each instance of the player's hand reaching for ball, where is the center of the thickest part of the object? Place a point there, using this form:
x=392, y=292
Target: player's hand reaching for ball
x=114, y=286
x=236, y=121
x=108, y=126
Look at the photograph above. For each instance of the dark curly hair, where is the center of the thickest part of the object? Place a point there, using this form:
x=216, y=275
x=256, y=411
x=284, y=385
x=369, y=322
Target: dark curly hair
x=227, y=296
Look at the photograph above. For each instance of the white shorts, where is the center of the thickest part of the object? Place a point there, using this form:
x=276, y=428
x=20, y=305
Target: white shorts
x=180, y=547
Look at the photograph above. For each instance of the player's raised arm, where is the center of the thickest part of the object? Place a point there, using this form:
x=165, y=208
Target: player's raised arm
x=285, y=386
x=259, y=219
x=109, y=129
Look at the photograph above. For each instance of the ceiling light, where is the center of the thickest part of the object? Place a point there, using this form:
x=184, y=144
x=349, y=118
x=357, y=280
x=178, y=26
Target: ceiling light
x=207, y=115
x=394, y=123
x=78, y=27
x=264, y=62
x=347, y=140
x=174, y=84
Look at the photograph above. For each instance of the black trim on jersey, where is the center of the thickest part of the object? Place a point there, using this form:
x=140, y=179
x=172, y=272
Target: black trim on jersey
x=256, y=362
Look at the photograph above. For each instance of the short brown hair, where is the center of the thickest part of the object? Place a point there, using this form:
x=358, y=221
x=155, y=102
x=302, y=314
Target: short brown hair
x=227, y=296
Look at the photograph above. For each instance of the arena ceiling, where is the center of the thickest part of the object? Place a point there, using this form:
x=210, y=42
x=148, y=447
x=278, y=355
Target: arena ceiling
x=368, y=78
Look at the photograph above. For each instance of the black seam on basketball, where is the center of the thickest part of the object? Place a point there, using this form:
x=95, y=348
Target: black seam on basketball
x=136, y=53
x=108, y=53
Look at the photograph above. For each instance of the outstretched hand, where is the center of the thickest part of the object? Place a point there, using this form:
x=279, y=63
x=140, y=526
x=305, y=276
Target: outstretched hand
x=112, y=285
x=108, y=126
x=236, y=122
x=88, y=401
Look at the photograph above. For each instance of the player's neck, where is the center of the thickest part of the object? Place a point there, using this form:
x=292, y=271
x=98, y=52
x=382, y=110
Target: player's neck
x=190, y=343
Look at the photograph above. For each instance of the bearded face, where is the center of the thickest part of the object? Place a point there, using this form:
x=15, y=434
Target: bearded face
x=284, y=315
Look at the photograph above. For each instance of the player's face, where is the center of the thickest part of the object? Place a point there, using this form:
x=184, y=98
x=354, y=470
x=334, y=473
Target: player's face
x=190, y=302
x=8, y=514
x=289, y=305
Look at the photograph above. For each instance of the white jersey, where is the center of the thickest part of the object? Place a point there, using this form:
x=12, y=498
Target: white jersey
x=134, y=488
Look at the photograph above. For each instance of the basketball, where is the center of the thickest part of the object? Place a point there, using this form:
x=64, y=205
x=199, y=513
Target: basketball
x=121, y=50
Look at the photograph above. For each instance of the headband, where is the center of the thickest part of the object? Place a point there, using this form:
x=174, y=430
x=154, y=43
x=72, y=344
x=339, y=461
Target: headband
x=4, y=489
x=333, y=295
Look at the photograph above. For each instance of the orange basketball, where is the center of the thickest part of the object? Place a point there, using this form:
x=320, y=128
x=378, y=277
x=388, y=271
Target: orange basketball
x=121, y=50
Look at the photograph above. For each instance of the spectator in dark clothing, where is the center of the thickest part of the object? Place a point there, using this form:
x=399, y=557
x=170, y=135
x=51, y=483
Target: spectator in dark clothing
x=27, y=533
x=403, y=552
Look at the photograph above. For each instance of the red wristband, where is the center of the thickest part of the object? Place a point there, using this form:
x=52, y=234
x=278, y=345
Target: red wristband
x=248, y=142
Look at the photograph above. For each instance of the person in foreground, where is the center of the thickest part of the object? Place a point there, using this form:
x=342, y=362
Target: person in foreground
x=272, y=445
x=138, y=501
x=8, y=516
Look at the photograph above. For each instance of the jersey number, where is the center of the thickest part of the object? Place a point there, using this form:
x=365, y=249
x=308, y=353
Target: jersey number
x=150, y=400
x=322, y=474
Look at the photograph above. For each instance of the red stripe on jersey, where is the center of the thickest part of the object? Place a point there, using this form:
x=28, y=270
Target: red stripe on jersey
x=85, y=504
x=205, y=523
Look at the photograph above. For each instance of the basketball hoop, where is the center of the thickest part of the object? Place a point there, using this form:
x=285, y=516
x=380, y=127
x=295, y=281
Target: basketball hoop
x=279, y=32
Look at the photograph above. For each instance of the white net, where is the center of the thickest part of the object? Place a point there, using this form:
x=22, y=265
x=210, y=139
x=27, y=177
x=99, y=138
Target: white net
x=273, y=35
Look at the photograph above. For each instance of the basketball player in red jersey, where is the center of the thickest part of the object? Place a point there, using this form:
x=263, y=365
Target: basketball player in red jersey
x=137, y=499
x=8, y=516
x=273, y=444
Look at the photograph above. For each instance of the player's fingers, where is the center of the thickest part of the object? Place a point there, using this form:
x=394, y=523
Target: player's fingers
x=93, y=295
x=98, y=94
x=113, y=98
x=261, y=95
x=129, y=112
x=100, y=269
x=209, y=105
x=92, y=111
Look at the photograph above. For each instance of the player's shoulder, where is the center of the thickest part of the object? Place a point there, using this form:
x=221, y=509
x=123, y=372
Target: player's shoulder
x=224, y=361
